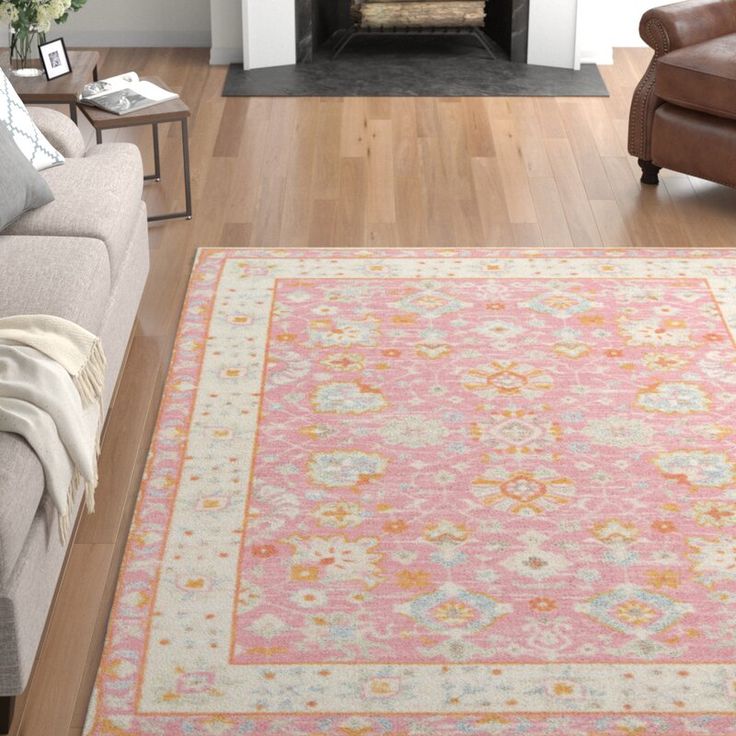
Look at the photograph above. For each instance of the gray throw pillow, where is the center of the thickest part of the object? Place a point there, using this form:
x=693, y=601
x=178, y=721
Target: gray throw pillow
x=22, y=188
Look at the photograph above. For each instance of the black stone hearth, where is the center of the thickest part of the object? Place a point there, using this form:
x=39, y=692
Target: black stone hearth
x=317, y=21
x=387, y=66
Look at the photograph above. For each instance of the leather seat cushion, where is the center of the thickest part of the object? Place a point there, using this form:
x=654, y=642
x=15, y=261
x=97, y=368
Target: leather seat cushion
x=701, y=77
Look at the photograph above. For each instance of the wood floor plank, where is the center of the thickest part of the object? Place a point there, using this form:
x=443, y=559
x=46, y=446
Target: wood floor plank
x=572, y=192
x=515, y=179
x=61, y=664
x=550, y=212
x=381, y=204
x=494, y=215
x=122, y=447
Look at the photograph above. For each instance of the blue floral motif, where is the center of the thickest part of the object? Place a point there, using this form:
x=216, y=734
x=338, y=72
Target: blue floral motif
x=451, y=609
x=634, y=611
x=674, y=398
x=345, y=468
x=560, y=304
x=347, y=398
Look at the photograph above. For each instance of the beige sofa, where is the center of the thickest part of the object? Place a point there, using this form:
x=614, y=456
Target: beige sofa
x=83, y=257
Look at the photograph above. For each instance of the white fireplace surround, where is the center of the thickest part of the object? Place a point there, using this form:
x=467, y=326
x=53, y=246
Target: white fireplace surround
x=562, y=33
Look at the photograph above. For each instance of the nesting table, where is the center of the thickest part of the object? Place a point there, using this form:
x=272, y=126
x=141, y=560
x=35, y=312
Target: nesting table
x=61, y=91
x=65, y=91
x=173, y=111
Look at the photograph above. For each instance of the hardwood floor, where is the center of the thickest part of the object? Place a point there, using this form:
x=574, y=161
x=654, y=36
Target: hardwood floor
x=344, y=172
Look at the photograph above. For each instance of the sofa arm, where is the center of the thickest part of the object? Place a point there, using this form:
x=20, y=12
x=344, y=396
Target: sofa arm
x=686, y=23
x=61, y=132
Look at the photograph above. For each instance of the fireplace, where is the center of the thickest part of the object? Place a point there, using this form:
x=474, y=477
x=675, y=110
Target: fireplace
x=507, y=23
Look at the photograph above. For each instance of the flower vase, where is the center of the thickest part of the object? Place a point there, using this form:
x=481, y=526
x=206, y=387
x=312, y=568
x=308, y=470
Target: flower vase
x=24, y=56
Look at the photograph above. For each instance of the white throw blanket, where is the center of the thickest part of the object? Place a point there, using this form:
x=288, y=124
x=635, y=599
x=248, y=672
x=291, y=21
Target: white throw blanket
x=51, y=370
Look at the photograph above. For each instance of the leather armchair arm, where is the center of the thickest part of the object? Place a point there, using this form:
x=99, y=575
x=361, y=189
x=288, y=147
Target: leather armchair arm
x=665, y=29
x=686, y=23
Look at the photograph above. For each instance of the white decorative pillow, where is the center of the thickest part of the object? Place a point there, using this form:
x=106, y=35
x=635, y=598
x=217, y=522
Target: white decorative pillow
x=26, y=135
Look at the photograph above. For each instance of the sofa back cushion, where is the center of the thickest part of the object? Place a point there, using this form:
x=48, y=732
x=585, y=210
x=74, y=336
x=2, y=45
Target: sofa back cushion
x=22, y=188
x=26, y=134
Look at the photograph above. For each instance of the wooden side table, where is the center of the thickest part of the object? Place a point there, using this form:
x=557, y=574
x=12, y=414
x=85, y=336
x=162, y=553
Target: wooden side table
x=61, y=91
x=165, y=112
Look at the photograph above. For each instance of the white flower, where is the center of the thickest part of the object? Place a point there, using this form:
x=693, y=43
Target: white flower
x=8, y=13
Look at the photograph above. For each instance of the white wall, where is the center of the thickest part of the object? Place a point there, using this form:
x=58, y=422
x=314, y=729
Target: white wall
x=226, y=21
x=136, y=23
x=605, y=26
x=624, y=22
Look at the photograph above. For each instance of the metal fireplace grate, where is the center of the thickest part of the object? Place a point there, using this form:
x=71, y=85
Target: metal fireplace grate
x=356, y=30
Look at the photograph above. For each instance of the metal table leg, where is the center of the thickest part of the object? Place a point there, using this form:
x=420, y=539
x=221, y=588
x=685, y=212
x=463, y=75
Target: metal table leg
x=156, y=176
x=187, y=173
x=187, y=179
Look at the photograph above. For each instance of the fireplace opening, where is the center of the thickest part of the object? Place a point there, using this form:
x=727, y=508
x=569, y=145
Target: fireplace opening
x=321, y=23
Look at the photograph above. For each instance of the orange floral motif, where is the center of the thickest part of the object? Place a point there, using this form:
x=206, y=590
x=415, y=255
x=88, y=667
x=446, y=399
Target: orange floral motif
x=663, y=526
x=613, y=531
x=264, y=551
x=663, y=578
x=304, y=572
x=636, y=613
x=413, y=579
x=543, y=605
x=507, y=378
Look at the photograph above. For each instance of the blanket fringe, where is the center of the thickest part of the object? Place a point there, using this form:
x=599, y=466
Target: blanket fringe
x=90, y=380
x=88, y=485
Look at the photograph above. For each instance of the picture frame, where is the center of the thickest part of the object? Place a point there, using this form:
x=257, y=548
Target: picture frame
x=54, y=58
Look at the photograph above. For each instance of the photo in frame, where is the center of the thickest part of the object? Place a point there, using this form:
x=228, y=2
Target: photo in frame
x=55, y=58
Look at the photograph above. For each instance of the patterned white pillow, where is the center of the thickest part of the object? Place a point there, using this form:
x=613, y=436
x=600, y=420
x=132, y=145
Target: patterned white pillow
x=26, y=135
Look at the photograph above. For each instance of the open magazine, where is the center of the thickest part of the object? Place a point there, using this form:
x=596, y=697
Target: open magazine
x=124, y=93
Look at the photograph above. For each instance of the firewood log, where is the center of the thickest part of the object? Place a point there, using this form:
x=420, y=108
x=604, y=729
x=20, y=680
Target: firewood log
x=413, y=14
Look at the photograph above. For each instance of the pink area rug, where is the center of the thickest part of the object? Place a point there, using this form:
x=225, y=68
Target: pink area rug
x=437, y=493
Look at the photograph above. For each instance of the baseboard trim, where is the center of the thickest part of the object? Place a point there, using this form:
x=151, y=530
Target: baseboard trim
x=220, y=55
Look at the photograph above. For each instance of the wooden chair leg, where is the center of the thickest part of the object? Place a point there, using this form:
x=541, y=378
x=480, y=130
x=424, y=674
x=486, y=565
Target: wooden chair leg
x=6, y=713
x=649, y=172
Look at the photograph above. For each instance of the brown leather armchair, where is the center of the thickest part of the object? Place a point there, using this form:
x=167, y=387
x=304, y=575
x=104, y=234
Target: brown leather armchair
x=683, y=115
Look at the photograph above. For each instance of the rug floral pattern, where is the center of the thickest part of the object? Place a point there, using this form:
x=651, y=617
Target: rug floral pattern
x=446, y=492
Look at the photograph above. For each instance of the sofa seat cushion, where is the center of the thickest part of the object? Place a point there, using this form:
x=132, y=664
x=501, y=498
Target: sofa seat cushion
x=97, y=196
x=701, y=77
x=68, y=278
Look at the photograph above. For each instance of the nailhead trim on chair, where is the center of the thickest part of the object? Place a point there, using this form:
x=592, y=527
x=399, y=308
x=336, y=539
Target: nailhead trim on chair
x=654, y=33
